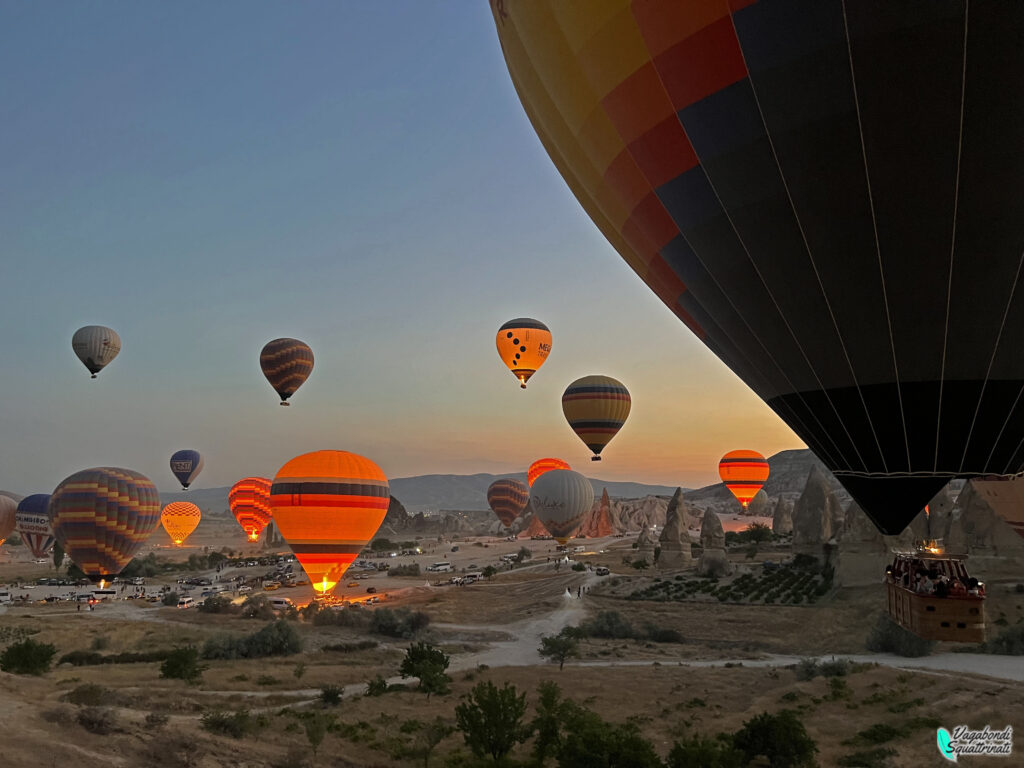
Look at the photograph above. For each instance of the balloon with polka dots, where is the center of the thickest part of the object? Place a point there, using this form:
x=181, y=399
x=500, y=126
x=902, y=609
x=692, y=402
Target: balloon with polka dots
x=523, y=345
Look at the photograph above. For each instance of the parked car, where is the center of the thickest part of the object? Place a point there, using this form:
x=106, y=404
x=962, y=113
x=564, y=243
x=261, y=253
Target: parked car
x=245, y=588
x=371, y=590
x=601, y=571
x=186, y=602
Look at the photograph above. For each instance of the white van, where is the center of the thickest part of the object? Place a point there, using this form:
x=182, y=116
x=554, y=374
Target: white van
x=186, y=602
x=440, y=567
x=281, y=603
x=104, y=594
x=5, y=597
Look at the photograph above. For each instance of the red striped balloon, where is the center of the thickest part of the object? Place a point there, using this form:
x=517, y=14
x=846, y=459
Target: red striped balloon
x=743, y=472
x=540, y=466
x=249, y=500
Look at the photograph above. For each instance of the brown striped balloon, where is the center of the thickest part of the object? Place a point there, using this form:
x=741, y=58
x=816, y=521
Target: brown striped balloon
x=286, y=363
x=508, y=498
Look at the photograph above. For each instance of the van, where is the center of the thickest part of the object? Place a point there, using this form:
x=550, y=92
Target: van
x=104, y=594
x=579, y=549
x=281, y=603
x=186, y=602
x=440, y=567
x=601, y=571
x=5, y=597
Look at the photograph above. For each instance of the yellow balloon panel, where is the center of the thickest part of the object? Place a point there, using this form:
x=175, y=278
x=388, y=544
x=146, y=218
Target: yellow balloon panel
x=180, y=519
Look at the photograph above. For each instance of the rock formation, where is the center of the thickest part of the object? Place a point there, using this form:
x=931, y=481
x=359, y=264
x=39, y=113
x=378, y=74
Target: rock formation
x=635, y=514
x=713, y=560
x=675, y=539
x=782, y=518
x=533, y=528
x=759, y=505
x=645, y=545
x=812, y=526
x=599, y=522
x=836, y=515
x=863, y=551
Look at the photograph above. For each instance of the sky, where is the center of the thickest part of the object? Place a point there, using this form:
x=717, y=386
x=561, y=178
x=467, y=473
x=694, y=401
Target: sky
x=205, y=177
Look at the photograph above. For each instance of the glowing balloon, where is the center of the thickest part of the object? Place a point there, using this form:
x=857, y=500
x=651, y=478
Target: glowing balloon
x=828, y=194
x=540, y=466
x=327, y=506
x=33, y=523
x=8, y=513
x=180, y=519
x=186, y=466
x=101, y=518
x=287, y=364
x=508, y=498
x=561, y=499
x=596, y=407
x=523, y=345
x=96, y=346
x=249, y=500
x=743, y=472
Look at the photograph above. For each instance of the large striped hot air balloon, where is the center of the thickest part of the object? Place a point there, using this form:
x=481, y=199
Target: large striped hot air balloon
x=33, y=523
x=827, y=193
x=596, y=407
x=287, y=364
x=101, y=518
x=95, y=346
x=327, y=506
x=561, y=499
x=743, y=472
x=8, y=517
x=508, y=498
x=249, y=500
x=523, y=345
x=180, y=519
x=540, y=466
x=186, y=466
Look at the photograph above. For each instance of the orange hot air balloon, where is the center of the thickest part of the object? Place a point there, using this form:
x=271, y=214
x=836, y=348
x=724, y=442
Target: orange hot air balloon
x=743, y=472
x=540, y=466
x=327, y=506
x=179, y=519
x=524, y=345
x=249, y=500
x=8, y=517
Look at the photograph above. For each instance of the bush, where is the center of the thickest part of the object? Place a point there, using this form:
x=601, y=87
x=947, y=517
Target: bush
x=559, y=648
x=781, y=738
x=879, y=733
x=330, y=695
x=427, y=663
x=267, y=680
x=237, y=725
x=579, y=567
x=889, y=637
x=1009, y=642
x=169, y=598
x=807, y=669
x=607, y=624
x=183, y=664
x=400, y=622
x=156, y=720
x=27, y=657
x=97, y=720
x=705, y=753
x=362, y=645
x=872, y=758
x=89, y=695
x=491, y=720
x=218, y=604
x=257, y=607
x=589, y=741
x=100, y=643
x=411, y=569
x=278, y=638
x=836, y=668
x=91, y=658
x=377, y=686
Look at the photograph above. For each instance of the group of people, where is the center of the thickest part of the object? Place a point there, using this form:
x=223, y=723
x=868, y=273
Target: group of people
x=930, y=581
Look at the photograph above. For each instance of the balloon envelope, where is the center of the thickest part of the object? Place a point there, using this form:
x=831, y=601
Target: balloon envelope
x=180, y=519
x=327, y=506
x=8, y=517
x=743, y=472
x=808, y=188
x=561, y=499
x=101, y=518
x=596, y=407
x=249, y=500
x=540, y=466
x=287, y=364
x=33, y=523
x=95, y=346
x=508, y=498
x=186, y=466
x=523, y=345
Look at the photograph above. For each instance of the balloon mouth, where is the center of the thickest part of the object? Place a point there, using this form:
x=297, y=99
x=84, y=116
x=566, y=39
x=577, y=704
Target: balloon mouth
x=254, y=536
x=324, y=586
x=178, y=542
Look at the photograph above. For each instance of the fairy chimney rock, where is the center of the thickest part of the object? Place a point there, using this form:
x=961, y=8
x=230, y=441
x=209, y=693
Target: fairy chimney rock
x=675, y=539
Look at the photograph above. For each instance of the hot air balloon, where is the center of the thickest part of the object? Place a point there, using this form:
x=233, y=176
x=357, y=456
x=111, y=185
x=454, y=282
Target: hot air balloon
x=8, y=512
x=287, y=364
x=523, y=345
x=179, y=519
x=508, y=498
x=96, y=346
x=327, y=506
x=249, y=500
x=540, y=466
x=743, y=472
x=33, y=523
x=101, y=518
x=809, y=187
x=186, y=466
x=561, y=499
x=596, y=407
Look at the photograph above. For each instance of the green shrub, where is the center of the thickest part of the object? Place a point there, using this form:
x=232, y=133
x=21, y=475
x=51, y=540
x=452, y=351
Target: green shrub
x=807, y=669
x=1009, y=642
x=607, y=624
x=398, y=622
x=330, y=695
x=257, y=607
x=835, y=668
x=889, y=637
x=156, y=720
x=237, y=725
x=362, y=645
x=97, y=720
x=701, y=752
x=169, y=598
x=27, y=657
x=872, y=758
x=89, y=695
x=267, y=680
x=218, y=604
x=410, y=569
x=879, y=733
x=91, y=658
x=278, y=638
x=781, y=738
x=579, y=567
x=377, y=686
x=183, y=664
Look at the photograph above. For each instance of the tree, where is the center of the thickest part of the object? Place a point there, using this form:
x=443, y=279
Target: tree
x=491, y=720
x=427, y=663
x=14, y=540
x=489, y=571
x=58, y=555
x=781, y=738
x=27, y=657
x=428, y=736
x=558, y=648
x=700, y=752
x=523, y=554
x=590, y=741
x=169, y=598
x=316, y=725
x=183, y=664
x=547, y=722
x=300, y=670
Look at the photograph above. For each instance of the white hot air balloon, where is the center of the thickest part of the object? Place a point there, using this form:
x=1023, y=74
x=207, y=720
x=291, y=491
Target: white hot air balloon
x=561, y=499
x=96, y=346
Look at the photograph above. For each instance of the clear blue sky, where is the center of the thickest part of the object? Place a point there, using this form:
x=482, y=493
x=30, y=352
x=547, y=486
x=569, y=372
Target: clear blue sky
x=204, y=177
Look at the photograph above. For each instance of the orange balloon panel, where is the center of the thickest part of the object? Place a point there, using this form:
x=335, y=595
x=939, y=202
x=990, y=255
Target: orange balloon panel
x=327, y=506
x=179, y=519
x=524, y=345
x=249, y=500
x=540, y=466
x=743, y=472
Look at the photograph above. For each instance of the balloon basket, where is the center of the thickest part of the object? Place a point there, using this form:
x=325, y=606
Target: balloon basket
x=595, y=458
x=285, y=404
x=93, y=376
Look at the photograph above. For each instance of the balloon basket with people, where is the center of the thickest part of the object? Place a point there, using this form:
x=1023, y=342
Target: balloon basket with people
x=930, y=593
